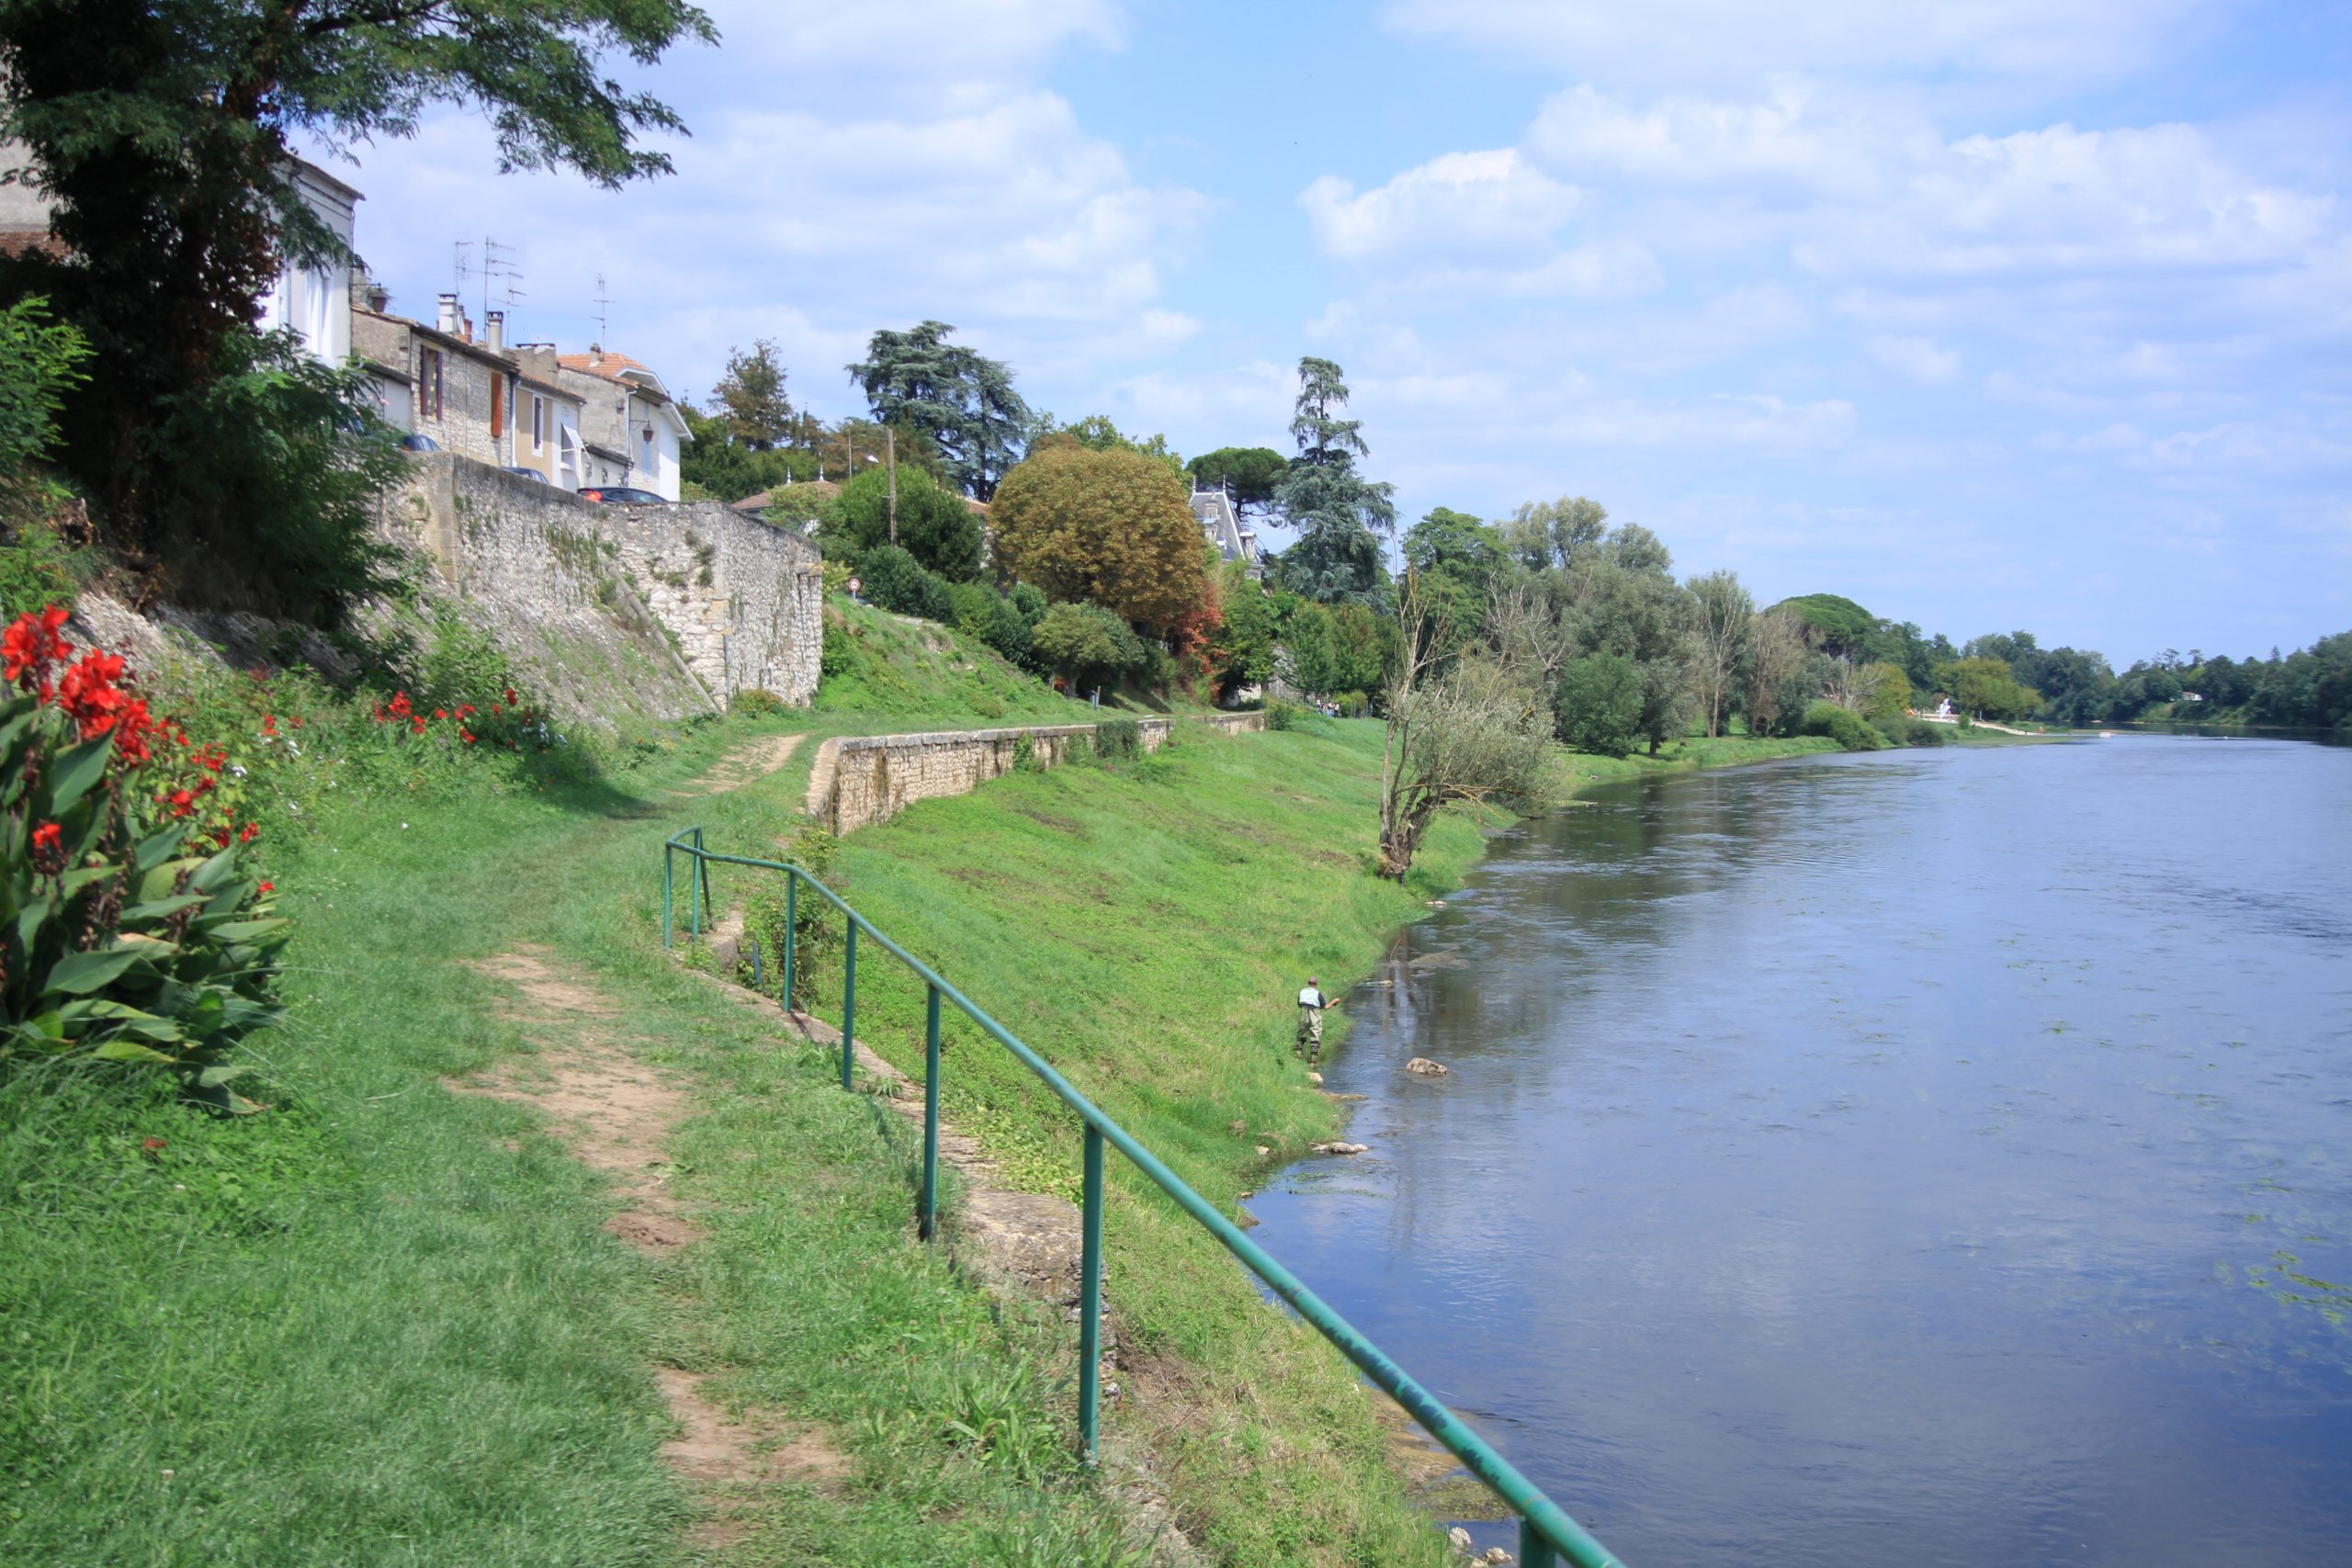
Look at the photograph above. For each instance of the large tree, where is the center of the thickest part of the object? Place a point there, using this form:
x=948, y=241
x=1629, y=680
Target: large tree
x=961, y=399
x=161, y=129
x=930, y=522
x=1628, y=604
x=1341, y=515
x=1114, y=528
x=751, y=397
x=1554, y=534
x=1247, y=474
x=1721, y=615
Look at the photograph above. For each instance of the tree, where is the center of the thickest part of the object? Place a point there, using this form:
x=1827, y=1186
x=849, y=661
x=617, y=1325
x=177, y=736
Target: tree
x=1114, y=527
x=1597, y=705
x=1244, y=645
x=1473, y=731
x=1776, y=656
x=1554, y=534
x=1833, y=623
x=1984, y=688
x=1097, y=432
x=960, y=399
x=1881, y=691
x=1086, y=643
x=1249, y=474
x=751, y=397
x=935, y=526
x=1628, y=604
x=161, y=129
x=1341, y=515
x=1721, y=611
x=40, y=359
x=1324, y=438
x=1461, y=563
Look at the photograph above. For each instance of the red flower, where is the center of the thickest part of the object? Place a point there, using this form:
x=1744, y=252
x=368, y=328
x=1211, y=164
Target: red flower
x=47, y=835
x=133, y=728
x=269, y=723
x=246, y=834
x=181, y=801
x=510, y=696
x=467, y=711
x=440, y=712
x=400, y=706
x=466, y=736
x=48, y=849
x=220, y=837
x=151, y=1145
x=266, y=888
x=31, y=644
x=417, y=724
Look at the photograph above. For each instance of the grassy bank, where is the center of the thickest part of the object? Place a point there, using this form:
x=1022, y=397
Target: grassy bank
x=380, y=1324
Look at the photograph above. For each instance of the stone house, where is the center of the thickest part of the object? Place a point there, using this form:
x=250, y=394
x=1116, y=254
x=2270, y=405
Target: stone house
x=1224, y=528
x=475, y=397
x=628, y=418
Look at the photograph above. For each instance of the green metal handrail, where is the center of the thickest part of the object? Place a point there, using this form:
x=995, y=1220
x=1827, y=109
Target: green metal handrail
x=1546, y=1534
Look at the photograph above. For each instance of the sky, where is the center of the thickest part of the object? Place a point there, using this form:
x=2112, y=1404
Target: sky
x=1989, y=314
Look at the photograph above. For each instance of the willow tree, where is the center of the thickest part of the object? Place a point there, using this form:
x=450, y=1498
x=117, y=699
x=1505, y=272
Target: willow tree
x=1472, y=727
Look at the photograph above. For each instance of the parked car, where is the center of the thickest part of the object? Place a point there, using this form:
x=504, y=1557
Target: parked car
x=622, y=495
x=526, y=473
x=415, y=443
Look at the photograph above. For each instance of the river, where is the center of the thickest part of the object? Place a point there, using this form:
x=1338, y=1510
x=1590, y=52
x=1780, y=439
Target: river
x=1924, y=1157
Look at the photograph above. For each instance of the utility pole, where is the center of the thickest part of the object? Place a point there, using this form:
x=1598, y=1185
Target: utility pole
x=891, y=438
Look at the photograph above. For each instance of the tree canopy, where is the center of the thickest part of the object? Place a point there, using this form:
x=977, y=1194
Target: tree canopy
x=161, y=129
x=962, y=399
x=934, y=525
x=1248, y=473
x=1114, y=527
x=1341, y=515
x=751, y=397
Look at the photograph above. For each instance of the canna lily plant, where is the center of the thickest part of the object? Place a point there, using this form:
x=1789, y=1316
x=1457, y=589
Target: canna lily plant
x=129, y=930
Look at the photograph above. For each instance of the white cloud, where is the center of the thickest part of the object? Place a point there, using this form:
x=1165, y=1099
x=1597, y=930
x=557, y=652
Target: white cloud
x=1461, y=206
x=1690, y=141
x=951, y=183
x=1917, y=357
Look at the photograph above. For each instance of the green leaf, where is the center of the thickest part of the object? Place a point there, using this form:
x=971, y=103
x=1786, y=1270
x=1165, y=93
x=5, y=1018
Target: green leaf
x=118, y=1050
x=75, y=769
x=213, y=1078
x=78, y=973
x=208, y=875
x=156, y=848
x=160, y=880
x=245, y=930
x=161, y=908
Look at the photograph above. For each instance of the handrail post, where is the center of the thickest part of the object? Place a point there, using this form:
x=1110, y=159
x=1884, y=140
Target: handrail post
x=930, y=1115
x=759, y=980
x=669, y=853
x=791, y=930
x=1090, y=1319
x=694, y=893
x=702, y=870
x=849, y=1004
x=1534, y=1551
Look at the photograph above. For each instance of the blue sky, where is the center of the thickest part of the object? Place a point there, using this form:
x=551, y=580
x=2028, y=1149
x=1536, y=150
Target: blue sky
x=1993, y=315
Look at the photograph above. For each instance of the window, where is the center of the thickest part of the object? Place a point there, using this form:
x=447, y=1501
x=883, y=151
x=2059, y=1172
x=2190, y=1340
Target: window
x=428, y=383
x=539, y=424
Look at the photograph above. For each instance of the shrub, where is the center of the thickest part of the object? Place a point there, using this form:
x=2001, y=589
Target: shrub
x=1029, y=600
x=1281, y=714
x=1849, y=729
x=1901, y=729
x=1117, y=739
x=838, y=654
x=935, y=526
x=896, y=581
x=37, y=567
x=122, y=941
x=757, y=701
x=39, y=360
x=816, y=924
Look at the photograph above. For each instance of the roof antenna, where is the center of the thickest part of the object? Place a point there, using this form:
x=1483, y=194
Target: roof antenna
x=498, y=262
x=603, y=299
x=460, y=265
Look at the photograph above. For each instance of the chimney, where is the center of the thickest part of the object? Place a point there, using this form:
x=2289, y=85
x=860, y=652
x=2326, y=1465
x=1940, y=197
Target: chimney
x=447, y=320
x=493, y=330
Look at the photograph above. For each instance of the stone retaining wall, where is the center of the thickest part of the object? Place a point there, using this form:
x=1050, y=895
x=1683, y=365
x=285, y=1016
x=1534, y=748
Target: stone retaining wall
x=738, y=602
x=862, y=779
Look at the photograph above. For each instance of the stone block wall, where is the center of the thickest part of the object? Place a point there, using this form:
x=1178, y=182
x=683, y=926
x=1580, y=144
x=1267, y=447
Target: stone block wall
x=709, y=601
x=862, y=779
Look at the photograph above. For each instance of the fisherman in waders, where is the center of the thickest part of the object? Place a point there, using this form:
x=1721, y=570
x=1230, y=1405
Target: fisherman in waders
x=1311, y=1003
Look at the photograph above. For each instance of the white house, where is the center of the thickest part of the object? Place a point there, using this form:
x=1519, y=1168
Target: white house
x=316, y=300
x=627, y=413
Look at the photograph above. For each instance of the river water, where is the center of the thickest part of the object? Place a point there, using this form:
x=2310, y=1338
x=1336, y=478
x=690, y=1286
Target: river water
x=1913, y=1158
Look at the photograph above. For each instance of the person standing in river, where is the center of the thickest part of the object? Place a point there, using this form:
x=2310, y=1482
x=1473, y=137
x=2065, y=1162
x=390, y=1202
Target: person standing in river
x=1309, y=1045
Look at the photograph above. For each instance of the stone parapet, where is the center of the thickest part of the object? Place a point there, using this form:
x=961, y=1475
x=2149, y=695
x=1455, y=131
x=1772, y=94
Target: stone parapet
x=862, y=779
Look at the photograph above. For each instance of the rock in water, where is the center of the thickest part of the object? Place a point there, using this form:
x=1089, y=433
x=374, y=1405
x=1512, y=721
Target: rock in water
x=1459, y=1538
x=1426, y=1067
x=1315, y=1078
x=1496, y=1554
x=1336, y=1147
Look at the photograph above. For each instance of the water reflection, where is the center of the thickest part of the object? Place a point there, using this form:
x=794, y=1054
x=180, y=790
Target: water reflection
x=1922, y=1158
